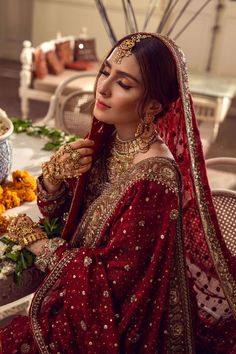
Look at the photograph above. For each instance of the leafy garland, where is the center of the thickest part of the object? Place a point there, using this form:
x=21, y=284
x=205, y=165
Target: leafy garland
x=55, y=137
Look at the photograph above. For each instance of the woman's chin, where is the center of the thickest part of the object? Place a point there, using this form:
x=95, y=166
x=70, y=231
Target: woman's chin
x=102, y=118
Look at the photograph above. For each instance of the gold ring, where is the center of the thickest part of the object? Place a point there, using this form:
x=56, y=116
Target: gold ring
x=74, y=154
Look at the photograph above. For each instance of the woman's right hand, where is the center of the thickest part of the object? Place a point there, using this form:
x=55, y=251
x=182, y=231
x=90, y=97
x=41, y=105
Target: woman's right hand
x=71, y=160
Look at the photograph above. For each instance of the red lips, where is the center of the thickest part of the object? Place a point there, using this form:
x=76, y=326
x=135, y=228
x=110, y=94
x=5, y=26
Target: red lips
x=101, y=105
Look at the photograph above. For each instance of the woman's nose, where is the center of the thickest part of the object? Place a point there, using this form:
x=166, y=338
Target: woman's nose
x=104, y=88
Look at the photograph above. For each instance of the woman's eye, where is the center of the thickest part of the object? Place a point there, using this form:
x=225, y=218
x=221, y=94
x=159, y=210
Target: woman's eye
x=104, y=72
x=124, y=86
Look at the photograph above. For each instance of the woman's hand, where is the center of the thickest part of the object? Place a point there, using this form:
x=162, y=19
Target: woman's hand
x=71, y=160
x=18, y=223
x=24, y=231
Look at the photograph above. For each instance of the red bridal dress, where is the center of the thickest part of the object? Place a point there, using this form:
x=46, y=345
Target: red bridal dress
x=144, y=267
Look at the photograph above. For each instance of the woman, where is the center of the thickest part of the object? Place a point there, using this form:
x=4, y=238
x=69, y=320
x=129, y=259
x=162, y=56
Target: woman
x=117, y=279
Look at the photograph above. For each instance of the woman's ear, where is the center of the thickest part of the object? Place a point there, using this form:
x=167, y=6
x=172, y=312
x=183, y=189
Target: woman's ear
x=154, y=107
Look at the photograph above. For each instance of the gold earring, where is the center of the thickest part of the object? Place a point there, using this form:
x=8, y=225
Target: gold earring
x=146, y=126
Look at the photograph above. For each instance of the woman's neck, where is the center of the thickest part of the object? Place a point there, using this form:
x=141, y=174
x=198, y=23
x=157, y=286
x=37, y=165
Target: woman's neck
x=126, y=132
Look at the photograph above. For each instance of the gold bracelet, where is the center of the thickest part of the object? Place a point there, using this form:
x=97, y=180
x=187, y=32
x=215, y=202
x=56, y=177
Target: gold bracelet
x=31, y=238
x=25, y=234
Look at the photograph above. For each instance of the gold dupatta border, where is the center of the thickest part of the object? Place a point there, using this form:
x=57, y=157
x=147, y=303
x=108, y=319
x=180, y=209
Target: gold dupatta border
x=227, y=281
x=40, y=295
x=180, y=325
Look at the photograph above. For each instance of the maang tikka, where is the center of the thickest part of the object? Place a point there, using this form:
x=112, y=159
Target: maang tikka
x=124, y=49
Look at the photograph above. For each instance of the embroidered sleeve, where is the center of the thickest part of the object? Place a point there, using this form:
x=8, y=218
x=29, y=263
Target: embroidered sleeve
x=49, y=257
x=53, y=204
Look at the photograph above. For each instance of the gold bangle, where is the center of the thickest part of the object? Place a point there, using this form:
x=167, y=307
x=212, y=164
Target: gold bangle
x=31, y=238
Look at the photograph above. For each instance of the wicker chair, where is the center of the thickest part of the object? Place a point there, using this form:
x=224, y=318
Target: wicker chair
x=71, y=110
x=225, y=205
x=74, y=114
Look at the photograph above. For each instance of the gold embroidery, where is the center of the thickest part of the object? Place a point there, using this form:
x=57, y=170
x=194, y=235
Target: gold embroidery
x=48, y=258
x=174, y=214
x=87, y=261
x=156, y=169
x=25, y=348
x=180, y=319
x=40, y=295
x=44, y=195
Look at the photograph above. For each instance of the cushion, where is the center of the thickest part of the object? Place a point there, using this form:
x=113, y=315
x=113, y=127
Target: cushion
x=64, y=52
x=40, y=64
x=78, y=65
x=55, y=66
x=85, y=49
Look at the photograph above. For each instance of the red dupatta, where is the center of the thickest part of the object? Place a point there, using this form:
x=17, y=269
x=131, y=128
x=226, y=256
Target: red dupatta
x=204, y=243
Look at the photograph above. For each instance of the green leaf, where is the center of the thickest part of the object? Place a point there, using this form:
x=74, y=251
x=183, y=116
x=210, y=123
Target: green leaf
x=12, y=255
x=55, y=137
x=52, y=227
x=23, y=262
x=6, y=241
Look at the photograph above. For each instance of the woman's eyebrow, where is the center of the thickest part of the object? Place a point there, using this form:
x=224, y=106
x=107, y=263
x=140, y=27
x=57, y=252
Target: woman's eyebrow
x=123, y=73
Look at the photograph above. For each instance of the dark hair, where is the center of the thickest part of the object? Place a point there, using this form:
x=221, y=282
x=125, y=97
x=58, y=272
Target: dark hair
x=158, y=70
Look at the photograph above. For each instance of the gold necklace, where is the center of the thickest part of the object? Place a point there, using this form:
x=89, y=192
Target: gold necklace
x=123, y=152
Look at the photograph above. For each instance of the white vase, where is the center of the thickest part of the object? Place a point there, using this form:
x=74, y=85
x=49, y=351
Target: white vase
x=5, y=147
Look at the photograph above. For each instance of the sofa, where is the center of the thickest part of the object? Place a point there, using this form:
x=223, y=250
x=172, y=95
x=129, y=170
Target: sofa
x=44, y=67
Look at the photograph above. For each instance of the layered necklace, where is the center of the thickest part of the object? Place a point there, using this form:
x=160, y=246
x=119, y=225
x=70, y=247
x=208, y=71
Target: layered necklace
x=123, y=152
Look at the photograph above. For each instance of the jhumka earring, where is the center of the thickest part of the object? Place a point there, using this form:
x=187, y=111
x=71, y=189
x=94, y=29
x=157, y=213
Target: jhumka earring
x=145, y=133
x=146, y=126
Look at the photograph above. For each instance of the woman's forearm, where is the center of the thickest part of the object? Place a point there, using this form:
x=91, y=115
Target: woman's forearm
x=37, y=247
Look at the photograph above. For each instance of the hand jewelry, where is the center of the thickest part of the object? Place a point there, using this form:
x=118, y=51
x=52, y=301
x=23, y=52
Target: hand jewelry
x=24, y=232
x=73, y=153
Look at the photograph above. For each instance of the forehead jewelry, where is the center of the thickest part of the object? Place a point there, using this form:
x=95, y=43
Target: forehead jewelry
x=124, y=49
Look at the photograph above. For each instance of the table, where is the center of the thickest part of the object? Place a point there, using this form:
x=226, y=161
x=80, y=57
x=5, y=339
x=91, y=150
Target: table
x=212, y=97
x=27, y=155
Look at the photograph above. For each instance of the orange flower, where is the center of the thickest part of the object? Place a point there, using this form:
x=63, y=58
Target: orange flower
x=22, y=179
x=21, y=189
x=4, y=222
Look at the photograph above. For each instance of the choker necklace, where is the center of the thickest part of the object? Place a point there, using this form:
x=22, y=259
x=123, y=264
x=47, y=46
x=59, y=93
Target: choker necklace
x=123, y=152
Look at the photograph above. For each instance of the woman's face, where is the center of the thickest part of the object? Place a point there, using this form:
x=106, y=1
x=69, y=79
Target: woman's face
x=119, y=91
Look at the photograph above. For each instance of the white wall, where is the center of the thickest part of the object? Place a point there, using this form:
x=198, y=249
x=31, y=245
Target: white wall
x=69, y=16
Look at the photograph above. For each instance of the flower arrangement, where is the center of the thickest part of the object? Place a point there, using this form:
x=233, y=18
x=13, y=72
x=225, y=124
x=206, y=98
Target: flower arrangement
x=13, y=258
x=21, y=189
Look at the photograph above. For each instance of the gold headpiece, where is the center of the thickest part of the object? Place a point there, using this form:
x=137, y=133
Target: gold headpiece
x=124, y=49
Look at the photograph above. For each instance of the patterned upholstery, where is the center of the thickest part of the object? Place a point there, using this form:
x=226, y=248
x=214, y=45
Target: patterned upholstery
x=225, y=204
